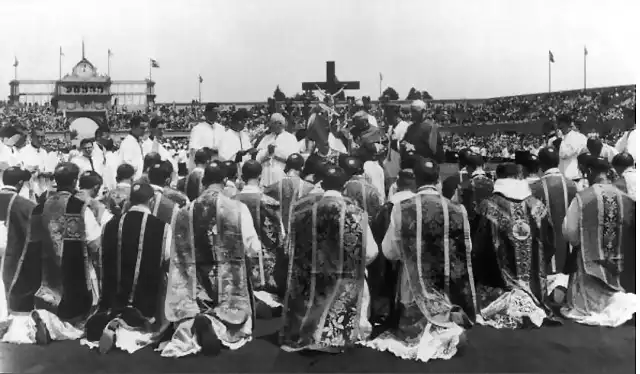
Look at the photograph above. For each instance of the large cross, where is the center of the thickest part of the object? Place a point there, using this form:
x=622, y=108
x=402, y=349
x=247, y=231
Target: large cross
x=331, y=85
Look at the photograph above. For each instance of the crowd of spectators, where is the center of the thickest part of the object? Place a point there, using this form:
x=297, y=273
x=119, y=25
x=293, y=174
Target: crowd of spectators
x=599, y=105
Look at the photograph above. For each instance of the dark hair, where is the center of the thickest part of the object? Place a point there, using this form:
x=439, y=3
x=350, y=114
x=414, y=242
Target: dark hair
x=594, y=146
x=151, y=159
x=507, y=170
x=125, y=171
x=202, y=156
x=549, y=158
x=89, y=179
x=85, y=141
x=66, y=174
x=160, y=172
x=623, y=160
x=14, y=175
x=426, y=171
x=251, y=170
x=135, y=121
x=334, y=178
x=214, y=173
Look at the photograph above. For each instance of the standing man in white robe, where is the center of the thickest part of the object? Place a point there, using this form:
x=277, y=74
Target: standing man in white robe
x=274, y=149
x=627, y=143
x=131, y=149
x=573, y=144
x=206, y=134
x=86, y=161
x=236, y=144
x=33, y=157
x=153, y=142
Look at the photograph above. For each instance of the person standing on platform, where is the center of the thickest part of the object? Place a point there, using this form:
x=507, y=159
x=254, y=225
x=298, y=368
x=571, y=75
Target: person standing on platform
x=86, y=161
x=274, y=149
x=206, y=134
x=423, y=134
x=236, y=144
x=397, y=129
x=573, y=144
x=153, y=142
x=624, y=165
x=627, y=143
x=130, y=149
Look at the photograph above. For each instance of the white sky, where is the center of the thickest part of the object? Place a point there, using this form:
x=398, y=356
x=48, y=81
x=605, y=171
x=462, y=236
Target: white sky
x=243, y=49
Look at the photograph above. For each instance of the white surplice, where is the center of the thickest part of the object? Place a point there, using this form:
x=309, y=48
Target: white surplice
x=572, y=145
x=131, y=153
x=273, y=165
x=232, y=142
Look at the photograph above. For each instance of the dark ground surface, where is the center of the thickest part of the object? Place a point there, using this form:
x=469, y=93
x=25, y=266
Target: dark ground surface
x=568, y=348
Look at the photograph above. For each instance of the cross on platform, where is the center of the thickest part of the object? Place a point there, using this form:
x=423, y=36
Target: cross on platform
x=332, y=85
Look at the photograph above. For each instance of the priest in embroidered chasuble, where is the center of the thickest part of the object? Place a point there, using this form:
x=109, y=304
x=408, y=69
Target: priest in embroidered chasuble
x=269, y=269
x=511, y=247
x=290, y=189
x=135, y=253
x=63, y=253
x=15, y=213
x=209, y=297
x=600, y=224
x=327, y=297
x=193, y=184
x=359, y=189
x=117, y=199
x=556, y=192
x=429, y=235
x=160, y=177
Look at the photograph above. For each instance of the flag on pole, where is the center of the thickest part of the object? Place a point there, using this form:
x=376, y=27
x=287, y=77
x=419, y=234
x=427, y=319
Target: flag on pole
x=109, y=53
x=15, y=62
x=551, y=59
x=200, y=78
x=61, y=54
x=585, y=50
x=154, y=63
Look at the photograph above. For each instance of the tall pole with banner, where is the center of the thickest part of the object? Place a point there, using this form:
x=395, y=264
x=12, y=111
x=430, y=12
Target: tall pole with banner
x=585, y=67
x=551, y=61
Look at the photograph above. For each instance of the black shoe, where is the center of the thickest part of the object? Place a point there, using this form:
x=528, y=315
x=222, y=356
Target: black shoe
x=42, y=334
x=205, y=336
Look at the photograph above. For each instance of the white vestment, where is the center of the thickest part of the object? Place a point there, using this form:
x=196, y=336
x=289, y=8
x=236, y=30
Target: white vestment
x=572, y=145
x=273, y=165
x=131, y=153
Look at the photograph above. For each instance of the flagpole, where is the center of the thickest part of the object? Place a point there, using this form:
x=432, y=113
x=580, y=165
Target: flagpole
x=60, y=65
x=585, y=68
x=150, y=66
x=380, y=87
x=199, y=89
x=549, y=75
x=109, y=63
